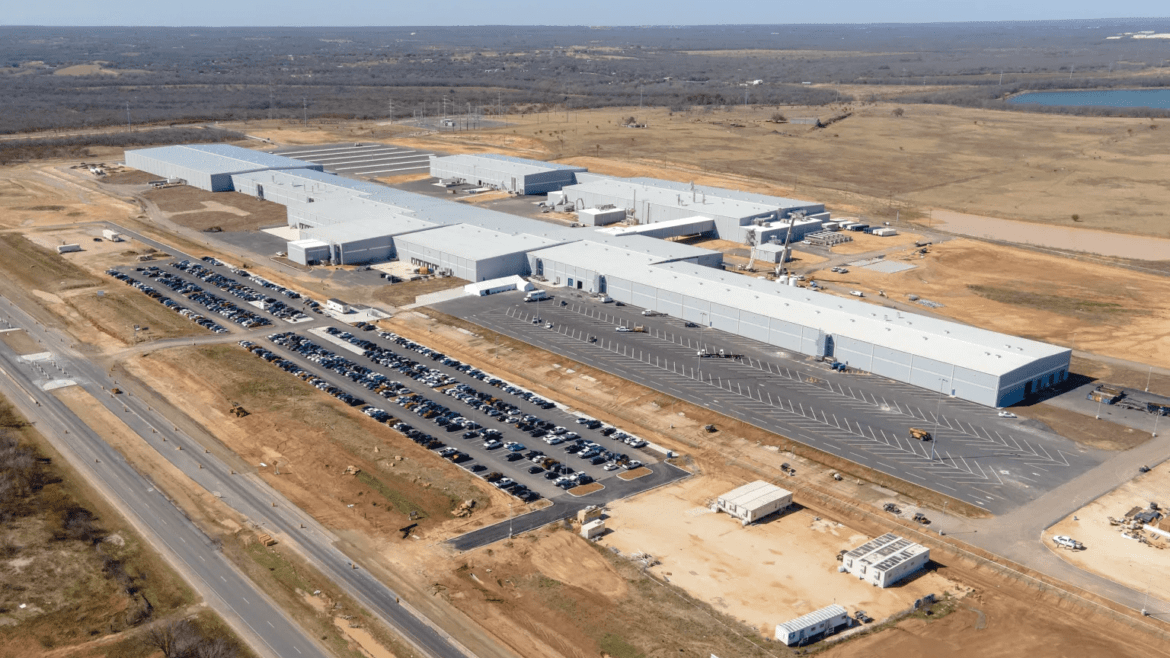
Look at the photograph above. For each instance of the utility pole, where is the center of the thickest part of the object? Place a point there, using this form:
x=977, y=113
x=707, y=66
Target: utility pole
x=391, y=109
x=1148, y=375
x=128, y=115
x=305, y=104
x=1001, y=78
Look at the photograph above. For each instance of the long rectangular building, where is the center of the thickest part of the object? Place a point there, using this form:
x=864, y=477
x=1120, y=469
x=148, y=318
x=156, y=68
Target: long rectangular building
x=209, y=167
x=650, y=201
x=517, y=175
x=685, y=281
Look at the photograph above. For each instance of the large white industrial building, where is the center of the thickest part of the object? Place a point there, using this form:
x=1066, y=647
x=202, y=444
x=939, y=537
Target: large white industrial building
x=345, y=221
x=504, y=172
x=209, y=167
x=884, y=561
x=649, y=201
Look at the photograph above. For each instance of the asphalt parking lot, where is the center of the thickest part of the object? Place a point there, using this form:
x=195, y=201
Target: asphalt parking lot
x=976, y=456
x=362, y=160
x=353, y=365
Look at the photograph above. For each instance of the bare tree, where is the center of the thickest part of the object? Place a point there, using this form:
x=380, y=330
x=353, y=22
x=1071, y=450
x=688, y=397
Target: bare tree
x=215, y=648
x=175, y=639
x=898, y=112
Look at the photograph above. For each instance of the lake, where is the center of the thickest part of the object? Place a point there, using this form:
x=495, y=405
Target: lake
x=1156, y=98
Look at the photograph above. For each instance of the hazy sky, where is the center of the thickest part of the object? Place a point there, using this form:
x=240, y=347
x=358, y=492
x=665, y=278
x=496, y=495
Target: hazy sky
x=579, y=12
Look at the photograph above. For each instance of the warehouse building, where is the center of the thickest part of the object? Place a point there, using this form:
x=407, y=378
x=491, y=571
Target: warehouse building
x=650, y=200
x=886, y=560
x=688, y=282
x=813, y=626
x=982, y=366
x=754, y=501
x=470, y=252
x=209, y=167
x=364, y=241
x=516, y=175
x=309, y=252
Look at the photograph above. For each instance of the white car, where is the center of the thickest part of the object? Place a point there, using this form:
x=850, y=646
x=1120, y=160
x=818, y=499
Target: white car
x=857, y=293
x=1064, y=541
x=1007, y=414
x=622, y=330
x=610, y=466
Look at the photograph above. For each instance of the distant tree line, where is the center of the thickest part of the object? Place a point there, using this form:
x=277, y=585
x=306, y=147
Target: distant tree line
x=152, y=75
x=77, y=146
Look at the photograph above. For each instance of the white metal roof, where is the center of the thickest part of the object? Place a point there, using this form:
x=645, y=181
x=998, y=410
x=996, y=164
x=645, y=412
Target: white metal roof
x=754, y=495
x=387, y=225
x=596, y=256
x=697, y=221
x=505, y=162
x=474, y=242
x=812, y=618
x=308, y=243
x=967, y=347
x=701, y=200
x=220, y=158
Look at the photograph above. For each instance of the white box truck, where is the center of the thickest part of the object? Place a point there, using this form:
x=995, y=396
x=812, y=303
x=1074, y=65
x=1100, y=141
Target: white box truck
x=112, y=236
x=536, y=296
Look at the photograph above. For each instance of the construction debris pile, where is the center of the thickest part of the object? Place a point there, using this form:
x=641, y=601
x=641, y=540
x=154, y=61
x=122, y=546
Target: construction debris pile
x=1149, y=525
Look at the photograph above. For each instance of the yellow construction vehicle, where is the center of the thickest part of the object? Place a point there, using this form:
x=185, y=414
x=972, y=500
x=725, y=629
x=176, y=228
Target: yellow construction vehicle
x=920, y=434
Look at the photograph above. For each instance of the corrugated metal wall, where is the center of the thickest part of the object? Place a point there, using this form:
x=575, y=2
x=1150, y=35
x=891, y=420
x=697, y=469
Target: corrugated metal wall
x=793, y=336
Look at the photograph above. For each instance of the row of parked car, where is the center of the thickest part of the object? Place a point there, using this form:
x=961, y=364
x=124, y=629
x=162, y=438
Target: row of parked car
x=304, y=375
x=167, y=301
x=241, y=291
x=241, y=316
x=451, y=421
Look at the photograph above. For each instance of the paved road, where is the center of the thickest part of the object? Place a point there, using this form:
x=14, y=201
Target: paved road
x=248, y=494
x=995, y=463
x=226, y=589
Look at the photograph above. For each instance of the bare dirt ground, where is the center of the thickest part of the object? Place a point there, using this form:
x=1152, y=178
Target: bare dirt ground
x=762, y=574
x=1110, y=554
x=1058, y=237
x=95, y=309
x=21, y=342
x=40, y=195
x=312, y=438
x=1122, y=376
x=400, y=294
x=1100, y=309
x=230, y=211
x=864, y=242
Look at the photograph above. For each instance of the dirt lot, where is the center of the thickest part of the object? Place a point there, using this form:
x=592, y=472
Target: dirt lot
x=96, y=309
x=865, y=242
x=1110, y=554
x=43, y=194
x=21, y=342
x=1084, y=429
x=762, y=574
x=550, y=593
x=1105, y=310
x=401, y=294
x=230, y=211
x=312, y=438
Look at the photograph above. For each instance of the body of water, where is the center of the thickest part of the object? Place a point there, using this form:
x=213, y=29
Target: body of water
x=1155, y=98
